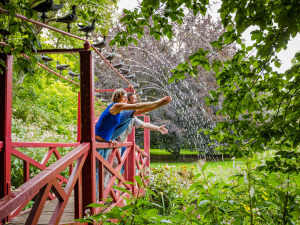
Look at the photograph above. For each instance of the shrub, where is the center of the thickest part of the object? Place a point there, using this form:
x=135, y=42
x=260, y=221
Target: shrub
x=251, y=196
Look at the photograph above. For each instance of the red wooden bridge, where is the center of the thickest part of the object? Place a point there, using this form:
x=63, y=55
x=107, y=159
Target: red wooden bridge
x=59, y=199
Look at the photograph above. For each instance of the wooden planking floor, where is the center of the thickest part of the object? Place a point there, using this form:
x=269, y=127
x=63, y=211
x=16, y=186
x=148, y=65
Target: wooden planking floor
x=67, y=217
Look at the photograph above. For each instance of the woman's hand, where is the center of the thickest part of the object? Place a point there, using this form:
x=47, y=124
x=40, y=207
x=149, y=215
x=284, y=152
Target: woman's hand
x=162, y=129
x=113, y=143
x=164, y=101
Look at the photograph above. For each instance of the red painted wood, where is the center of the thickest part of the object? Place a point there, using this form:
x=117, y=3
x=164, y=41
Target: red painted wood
x=5, y=126
x=141, y=151
x=111, y=169
x=100, y=103
x=38, y=205
x=131, y=157
x=47, y=156
x=147, y=141
x=113, y=155
x=87, y=108
x=18, y=211
x=101, y=180
x=123, y=160
x=42, y=145
x=78, y=198
x=59, y=210
x=34, y=163
x=58, y=191
x=78, y=120
x=56, y=153
x=25, y=171
x=57, y=51
x=20, y=195
x=70, y=169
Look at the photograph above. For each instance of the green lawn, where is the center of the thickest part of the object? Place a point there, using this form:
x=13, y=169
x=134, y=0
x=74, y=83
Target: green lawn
x=221, y=169
x=164, y=152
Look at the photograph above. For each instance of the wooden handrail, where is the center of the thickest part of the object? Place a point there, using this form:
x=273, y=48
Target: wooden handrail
x=42, y=145
x=11, y=201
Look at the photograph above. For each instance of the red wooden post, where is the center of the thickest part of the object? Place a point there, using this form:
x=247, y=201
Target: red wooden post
x=131, y=158
x=25, y=171
x=78, y=198
x=5, y=125
x=78, y=119
x=87, y=114
x=147, y=140
x=78, y=185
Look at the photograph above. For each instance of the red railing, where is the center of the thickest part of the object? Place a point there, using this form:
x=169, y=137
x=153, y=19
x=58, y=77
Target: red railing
x=84, y=154
x=27, y=161
x=41, y=185
x=82, y=176
x=50, y=178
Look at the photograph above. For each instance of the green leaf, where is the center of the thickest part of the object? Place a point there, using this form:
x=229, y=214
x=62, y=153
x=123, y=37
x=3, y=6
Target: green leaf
x=122, y=189
x=229, y=28
x=203, y=202
x=222, y=210
x=295, y=215
x=274, y=183
x=128, y=182
x=152, y=213
x=298, y=181
x=14, y=28
x=193, y=186
x=277, y=64
x=7, y=49
x=125, y=11
x=157, y=36
x=238, y=221
x=255, y=64
x=152, y=192
x=96, y=205
x=29, y=14
x=138, y=180
x=135, y=41
x=171, y=79
x=169, y=35
x=204, y=167
x=190, y=209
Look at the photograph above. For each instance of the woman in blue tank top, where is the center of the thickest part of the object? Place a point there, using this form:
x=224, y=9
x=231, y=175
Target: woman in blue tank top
x=110, y=119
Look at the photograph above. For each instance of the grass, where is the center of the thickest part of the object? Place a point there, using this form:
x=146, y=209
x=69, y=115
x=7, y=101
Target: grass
x=221, y=170
x=165, y=152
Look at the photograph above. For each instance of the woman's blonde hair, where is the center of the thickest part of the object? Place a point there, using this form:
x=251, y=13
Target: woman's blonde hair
x=118, y=94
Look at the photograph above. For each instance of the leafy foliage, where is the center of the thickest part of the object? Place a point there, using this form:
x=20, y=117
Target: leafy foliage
x=249, y=196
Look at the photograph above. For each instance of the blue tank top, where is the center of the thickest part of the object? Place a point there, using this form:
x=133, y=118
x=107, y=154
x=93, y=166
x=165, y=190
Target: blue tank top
x=107, y=123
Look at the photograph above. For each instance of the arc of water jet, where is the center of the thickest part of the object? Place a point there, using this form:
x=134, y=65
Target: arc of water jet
x=157, y=88
x=143, y=65
x=150, y=75
x=152, y=54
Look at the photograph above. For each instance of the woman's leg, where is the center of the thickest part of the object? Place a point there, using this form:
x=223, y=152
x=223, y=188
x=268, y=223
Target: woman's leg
x=106, y=174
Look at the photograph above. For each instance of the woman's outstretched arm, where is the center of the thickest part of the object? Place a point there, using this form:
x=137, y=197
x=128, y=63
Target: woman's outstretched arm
x=116, y=108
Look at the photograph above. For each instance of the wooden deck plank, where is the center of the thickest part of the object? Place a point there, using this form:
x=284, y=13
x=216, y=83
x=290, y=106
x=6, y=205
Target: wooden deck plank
x=68, y=215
